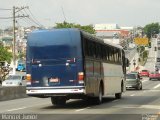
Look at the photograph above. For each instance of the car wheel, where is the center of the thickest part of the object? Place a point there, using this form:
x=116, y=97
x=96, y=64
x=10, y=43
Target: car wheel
x=138, y=87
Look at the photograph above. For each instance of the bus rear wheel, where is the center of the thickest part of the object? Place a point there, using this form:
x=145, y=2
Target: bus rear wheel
x=98, y=100
x=58, y=101
x=119, y=95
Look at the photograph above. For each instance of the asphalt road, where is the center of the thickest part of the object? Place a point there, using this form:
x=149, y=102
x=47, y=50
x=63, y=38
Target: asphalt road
x=133, y=105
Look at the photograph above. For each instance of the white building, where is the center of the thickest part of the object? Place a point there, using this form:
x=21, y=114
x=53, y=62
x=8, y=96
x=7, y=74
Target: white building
x=106, y=26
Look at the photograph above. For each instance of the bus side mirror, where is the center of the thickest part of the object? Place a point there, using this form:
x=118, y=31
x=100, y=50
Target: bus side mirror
x=127, y=62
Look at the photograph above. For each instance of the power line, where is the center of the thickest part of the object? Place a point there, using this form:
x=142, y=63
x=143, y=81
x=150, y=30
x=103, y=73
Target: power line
x=4, y=9
x=12, y=17
x=63, y=14
x=34, y=22
x=34, y=17
x=31, y=19
x=27, y=21
x=6, y=17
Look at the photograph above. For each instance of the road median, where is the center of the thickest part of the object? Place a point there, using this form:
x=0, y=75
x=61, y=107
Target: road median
x=9, y=93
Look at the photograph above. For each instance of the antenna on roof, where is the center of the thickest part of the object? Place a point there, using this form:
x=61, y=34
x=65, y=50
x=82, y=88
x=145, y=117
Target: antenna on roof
x=63, y=14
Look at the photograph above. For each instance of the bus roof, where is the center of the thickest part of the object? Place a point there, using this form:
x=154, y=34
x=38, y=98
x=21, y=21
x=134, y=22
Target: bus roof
x=69, y=32
x=96, y=39
x=45, y=37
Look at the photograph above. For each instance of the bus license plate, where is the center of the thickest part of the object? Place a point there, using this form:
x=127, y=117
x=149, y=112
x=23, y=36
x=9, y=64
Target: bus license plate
x=54, y=80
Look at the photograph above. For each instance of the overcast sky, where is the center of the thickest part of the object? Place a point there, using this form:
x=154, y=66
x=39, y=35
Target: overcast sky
x=84, y=12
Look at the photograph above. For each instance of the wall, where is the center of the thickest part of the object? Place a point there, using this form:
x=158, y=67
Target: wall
x=9, y=93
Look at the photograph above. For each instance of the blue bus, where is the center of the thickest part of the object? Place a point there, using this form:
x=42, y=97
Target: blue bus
x=71, y=64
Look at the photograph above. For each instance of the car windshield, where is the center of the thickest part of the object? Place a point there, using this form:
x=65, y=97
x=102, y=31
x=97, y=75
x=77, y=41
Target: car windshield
x=20, y=64
x=153, y=73
x=131, y=76
x=134, y=72
x=14, y=77
x=144, y=71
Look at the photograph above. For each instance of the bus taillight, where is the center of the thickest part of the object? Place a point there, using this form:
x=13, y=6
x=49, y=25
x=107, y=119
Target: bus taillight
x=28, y=77
x=81, y=77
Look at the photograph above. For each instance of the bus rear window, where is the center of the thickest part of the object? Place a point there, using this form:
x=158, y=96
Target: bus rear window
x=52, y=52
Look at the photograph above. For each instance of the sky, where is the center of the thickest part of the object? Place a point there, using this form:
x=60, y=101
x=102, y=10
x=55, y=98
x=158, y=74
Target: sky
x=83, y=12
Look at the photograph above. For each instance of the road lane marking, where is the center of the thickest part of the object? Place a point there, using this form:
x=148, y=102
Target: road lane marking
x=82, y=109
x=144, y=81
x=156, y=86
x=114, y=100
x=132, y=95
x=156, y=107
x=16, y=109
x=154, y=90
x=150, y=107
x=144, y=91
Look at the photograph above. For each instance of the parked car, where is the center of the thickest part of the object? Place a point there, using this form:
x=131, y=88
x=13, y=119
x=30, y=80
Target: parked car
x=154, y=75
x=21, y=67
x=133, y=80
x=14, y=80
x=136, y=72
x=144, y=73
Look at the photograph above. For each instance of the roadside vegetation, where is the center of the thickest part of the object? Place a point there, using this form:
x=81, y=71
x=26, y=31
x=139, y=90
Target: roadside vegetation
x=86, y=28
x=5, y=57
x=143, y=55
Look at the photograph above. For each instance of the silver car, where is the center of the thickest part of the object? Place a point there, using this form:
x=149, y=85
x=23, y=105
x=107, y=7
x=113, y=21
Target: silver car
x=133, y=80
x=14, y=80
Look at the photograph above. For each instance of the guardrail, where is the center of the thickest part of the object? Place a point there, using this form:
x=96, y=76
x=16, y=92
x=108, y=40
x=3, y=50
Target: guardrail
x=9, y=93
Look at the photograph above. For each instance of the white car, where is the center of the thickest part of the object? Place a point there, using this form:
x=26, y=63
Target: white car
x=14, y=80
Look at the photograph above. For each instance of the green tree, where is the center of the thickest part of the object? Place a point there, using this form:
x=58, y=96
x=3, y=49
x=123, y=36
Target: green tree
x=21, y=55
x=151, y=29
x=5, y=55
x=87, y=28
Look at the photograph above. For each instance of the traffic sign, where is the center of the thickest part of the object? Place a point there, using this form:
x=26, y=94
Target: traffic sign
x=141, y=41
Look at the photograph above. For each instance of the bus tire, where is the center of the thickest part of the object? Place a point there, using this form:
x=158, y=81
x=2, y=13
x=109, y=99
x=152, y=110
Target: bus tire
x=58, y=101
x=119, y=95
x=98, y=100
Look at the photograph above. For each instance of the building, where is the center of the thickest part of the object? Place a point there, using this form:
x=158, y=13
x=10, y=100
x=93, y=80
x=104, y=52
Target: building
x=112, y=32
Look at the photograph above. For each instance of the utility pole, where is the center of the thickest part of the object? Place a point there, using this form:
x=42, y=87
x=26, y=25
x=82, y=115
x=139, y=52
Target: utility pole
x=14, y=41
x=14, y=33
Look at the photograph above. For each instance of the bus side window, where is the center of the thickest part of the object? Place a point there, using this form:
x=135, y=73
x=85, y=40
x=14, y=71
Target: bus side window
x=86, y=47
x=89, y=68
x=97, y=68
